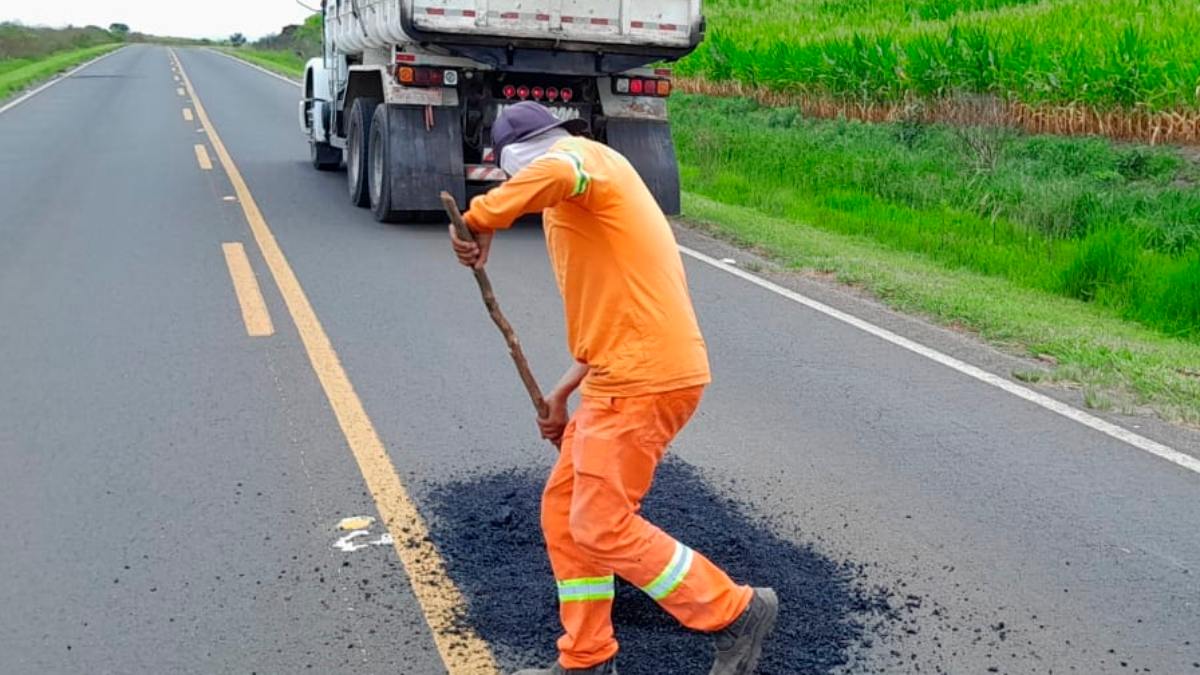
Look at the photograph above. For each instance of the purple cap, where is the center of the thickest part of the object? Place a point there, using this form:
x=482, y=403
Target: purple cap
x=525, y=120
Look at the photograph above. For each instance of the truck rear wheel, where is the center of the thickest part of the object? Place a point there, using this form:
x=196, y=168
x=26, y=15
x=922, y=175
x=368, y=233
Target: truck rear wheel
x=358, y=139
x=380, y=171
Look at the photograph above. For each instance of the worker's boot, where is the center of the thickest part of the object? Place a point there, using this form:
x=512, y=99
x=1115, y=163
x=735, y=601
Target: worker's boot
x=609, y=667
x=740, y=645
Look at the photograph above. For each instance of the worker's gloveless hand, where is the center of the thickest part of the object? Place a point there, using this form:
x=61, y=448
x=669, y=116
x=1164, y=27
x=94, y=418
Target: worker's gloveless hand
x=553, y=426
x=472, y=254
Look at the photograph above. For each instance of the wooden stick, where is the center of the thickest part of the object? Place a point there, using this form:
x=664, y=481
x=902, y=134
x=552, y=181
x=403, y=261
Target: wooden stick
x=493, y=307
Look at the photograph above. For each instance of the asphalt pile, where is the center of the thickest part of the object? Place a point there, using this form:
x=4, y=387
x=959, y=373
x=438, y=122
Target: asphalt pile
x=487, y=529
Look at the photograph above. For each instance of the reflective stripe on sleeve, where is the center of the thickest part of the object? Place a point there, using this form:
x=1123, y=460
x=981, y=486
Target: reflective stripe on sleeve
x=582, y=179
x=672, y=575
x=585, y=589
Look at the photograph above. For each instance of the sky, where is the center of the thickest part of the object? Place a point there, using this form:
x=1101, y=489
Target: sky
x=203, y=18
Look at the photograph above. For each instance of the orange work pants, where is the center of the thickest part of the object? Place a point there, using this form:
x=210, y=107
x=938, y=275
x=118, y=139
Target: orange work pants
x=610, y=451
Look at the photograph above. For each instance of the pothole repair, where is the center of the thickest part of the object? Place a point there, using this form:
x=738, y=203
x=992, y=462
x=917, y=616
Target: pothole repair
x=487, y=528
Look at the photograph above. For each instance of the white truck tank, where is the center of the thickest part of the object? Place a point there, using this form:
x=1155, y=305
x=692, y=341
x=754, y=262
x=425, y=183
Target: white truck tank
x=358, y=25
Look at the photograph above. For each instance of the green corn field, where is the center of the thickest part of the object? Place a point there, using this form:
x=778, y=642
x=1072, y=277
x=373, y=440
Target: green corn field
x=1103, y=54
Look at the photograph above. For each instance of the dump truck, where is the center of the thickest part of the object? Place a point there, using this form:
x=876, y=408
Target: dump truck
x=406, y=91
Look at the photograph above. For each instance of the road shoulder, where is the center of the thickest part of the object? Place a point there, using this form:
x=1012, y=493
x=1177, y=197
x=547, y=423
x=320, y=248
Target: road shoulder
x=957, y=341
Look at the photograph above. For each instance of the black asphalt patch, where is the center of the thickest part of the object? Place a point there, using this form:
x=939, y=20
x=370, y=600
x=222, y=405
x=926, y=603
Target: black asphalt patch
x=487, y=527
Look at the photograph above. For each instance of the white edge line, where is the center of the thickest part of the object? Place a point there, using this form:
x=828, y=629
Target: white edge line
x=1103, y=426
x=1120, y=433
x=55, y=80
x=255, y=66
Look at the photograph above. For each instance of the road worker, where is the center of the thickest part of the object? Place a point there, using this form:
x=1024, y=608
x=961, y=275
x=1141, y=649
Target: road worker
x=642, y=365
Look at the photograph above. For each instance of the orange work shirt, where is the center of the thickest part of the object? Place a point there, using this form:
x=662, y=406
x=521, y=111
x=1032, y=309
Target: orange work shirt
x=629, y=315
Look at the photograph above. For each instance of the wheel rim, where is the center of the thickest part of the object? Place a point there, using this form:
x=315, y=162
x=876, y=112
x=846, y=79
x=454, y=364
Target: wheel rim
x=353, y=150
x=375, y=154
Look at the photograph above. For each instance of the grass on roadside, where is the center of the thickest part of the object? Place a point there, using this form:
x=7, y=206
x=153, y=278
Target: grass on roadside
x=1127, y=54
x=18, y=74
x=1119, y=365
x=285, y=63
x=1118, y=226
x=18, y=41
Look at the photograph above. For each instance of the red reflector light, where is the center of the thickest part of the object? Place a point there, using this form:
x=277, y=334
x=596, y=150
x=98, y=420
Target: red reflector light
x=522, y=92
x=636, y=87
x=538, y=93
x=552, y=94
x=509, y=91
x=405, y=58
x=567, y=94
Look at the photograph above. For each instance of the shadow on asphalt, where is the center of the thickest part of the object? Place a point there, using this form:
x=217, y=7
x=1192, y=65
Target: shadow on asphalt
x=487, y=527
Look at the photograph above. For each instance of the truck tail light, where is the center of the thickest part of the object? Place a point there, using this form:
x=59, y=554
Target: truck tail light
x=552, y=94
x=426, y=77
x=636, y=86
x=538, y=93
x=510, y=92
x=523, y=92
x=567, y=94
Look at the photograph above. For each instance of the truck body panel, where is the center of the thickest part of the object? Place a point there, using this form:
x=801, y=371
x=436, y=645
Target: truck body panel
x=571, y=25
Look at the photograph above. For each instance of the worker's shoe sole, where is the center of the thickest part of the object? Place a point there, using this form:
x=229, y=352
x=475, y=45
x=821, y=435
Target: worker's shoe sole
x=607, y=668
x=739, y=647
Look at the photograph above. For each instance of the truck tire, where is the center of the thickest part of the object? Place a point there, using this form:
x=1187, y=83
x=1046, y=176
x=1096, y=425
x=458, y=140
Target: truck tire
x=415, y=155
x=358, y=139
x=380, y=171
x=324, y=156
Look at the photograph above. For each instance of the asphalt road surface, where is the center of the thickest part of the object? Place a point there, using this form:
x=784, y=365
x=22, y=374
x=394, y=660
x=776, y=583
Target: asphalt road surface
x=172, y=485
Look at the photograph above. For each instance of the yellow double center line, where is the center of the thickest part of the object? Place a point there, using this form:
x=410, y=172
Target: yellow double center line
x=461, y=648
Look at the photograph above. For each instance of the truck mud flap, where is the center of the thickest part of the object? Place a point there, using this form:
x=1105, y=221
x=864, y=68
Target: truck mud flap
x=425, y=158
x=647, y=144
